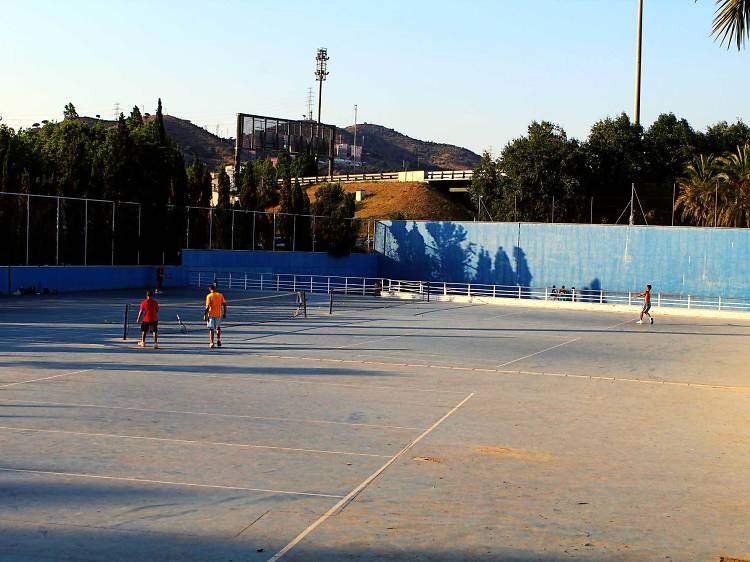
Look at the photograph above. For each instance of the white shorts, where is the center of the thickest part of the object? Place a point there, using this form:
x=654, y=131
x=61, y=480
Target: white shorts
x=214, y=322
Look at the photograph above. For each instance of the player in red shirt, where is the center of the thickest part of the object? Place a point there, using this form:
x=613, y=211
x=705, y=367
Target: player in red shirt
x=149, y=310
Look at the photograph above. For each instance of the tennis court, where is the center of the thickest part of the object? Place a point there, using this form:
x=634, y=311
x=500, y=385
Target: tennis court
x=387, y=430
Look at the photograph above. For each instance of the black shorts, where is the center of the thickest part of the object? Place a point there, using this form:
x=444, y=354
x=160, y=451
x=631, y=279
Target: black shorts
x=646, y=307
x=149, y=326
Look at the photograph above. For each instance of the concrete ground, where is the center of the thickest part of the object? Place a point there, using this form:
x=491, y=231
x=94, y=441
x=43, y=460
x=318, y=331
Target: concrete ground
x=423, y=431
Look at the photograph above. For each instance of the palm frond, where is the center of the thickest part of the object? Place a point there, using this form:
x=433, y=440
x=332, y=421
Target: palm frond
x=732, y=22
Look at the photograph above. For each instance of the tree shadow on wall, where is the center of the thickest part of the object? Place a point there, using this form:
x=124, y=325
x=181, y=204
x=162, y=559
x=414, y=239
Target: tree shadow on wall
x=451, y=255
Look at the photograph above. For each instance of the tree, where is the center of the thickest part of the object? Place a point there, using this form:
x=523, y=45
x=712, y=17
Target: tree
x=136, y=119
x=669, y=144
x=732, y=22
x=161, y=131
x=248, y=196
x=722, y=137
x=223, y=188
x=304, y=165
x=70, y=112
x=337, y=233
x=484, y=183
x=735, y=204
x=268, y=189
x=698, y=191
x=540, y=174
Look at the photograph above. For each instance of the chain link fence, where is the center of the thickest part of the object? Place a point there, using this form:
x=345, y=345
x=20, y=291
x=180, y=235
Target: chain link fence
x=56, y=230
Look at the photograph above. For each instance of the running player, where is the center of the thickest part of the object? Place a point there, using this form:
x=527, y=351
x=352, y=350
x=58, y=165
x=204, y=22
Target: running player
x=216, y=310
x=646, y=294
x=149, y=310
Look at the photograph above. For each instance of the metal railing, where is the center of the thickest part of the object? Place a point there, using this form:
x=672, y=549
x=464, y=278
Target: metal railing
x=448, y=175
x=375, y=286
x=439, y=175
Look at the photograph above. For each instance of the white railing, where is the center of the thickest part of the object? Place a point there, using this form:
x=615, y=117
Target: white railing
x=372, y=286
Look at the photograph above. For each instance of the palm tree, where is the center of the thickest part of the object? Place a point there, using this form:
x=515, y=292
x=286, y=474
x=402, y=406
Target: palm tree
x=732, y=22
x=735, y=203
x=698, y=190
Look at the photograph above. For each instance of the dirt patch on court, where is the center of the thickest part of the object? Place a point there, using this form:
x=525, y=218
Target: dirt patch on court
x=510, y=453
x=428, y=459
x=728, y=559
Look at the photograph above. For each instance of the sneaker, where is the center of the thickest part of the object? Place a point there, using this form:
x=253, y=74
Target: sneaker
x=156, y=346
x=210, y=346
x=652, y=320
x=218, y=344
x=639, y=322
x=141, y=344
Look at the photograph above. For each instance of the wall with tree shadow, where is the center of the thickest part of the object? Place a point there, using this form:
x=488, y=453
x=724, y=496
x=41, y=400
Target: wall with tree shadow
x=675, y=260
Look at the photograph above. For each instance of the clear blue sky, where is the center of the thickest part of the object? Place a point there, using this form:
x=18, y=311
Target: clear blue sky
x=473, y=73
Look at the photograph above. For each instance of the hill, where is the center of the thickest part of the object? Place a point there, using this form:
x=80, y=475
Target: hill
x=387, y=150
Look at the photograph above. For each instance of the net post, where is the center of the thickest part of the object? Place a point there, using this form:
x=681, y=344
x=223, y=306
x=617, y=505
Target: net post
x=330, y=302
x=125, y=323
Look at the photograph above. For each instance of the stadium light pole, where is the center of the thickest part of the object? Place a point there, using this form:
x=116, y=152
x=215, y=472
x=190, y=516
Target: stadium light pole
x=639, y=40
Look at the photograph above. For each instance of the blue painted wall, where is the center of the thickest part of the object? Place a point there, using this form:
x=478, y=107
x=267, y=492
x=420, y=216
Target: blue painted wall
x=88, y=278
x=306, y=263
x=695, y=261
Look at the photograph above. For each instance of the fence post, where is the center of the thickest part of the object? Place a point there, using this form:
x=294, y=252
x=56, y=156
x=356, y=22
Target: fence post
x=57, y=235
x=28, y=227
x=630, y=298
x=519, y=291
x=719, y=303
x=688, y=302
x=246, y=281
x=278, y=282
x=364, y=286
x=199, y=279
x=494, y=291
x=311, y=286
x=85, y=231
x=658, y=300
x=545, y=293
x=139, y=234
x=230, y=279
x=445, y=289
x=261, y=281
x=346, y=285
x=468, y=290
x=232, y=242
x=601, y=296
x=113, y=233
x=329, y=284
x=210, y=228
x=420, y=288
x=294, y=283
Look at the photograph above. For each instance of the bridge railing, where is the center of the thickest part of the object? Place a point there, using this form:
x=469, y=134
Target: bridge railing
x=448, y=175
x=440, y=175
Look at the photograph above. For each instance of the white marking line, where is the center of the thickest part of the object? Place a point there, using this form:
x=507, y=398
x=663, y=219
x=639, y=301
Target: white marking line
x=214, y=414
x=355, y=492
x=628, y=321
x=539, y=352
x=288, y=381
x=369, y=339
x=45, y=378
x=189, y=441
x=166, y=482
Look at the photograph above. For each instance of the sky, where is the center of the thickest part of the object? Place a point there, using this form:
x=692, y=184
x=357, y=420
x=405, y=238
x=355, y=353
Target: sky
x=473, y=73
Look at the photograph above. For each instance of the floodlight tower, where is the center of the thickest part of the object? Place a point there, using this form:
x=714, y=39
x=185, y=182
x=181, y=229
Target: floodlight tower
x=321, y=73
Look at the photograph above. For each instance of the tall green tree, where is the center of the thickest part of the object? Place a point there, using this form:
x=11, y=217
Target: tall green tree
x=135, y=119
x=160, y=130
x=223, y=188
x=70, y=111
x=337, y=232
x=248, y=192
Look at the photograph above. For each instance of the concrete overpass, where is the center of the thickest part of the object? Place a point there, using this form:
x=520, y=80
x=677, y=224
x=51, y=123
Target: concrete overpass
x=454, y=180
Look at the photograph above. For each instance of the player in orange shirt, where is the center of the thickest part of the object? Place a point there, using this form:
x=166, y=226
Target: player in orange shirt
x=216, y=311
x=646, y=294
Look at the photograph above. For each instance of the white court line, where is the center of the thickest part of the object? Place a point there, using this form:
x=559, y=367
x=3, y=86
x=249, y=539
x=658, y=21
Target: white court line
x=369, y=338
x=165, y=482
x=353, y=494
x=214, y=414
x=188, y=441
x=538, y=352
x=46, y=378
x=287, y=381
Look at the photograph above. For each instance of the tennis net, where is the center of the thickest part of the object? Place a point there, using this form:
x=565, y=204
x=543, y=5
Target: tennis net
x=186, y=317
x=376, y=297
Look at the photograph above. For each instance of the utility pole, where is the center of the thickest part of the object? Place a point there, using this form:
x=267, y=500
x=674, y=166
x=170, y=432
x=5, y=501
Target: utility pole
x=354, y=156
x=320, y=74
x=637, y=108
x=116, y=110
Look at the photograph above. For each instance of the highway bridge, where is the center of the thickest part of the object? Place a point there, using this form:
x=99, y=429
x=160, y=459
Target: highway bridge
x=454, y=180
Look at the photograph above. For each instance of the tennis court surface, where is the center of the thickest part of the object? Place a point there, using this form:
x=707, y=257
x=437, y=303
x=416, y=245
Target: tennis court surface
x=414, y=431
